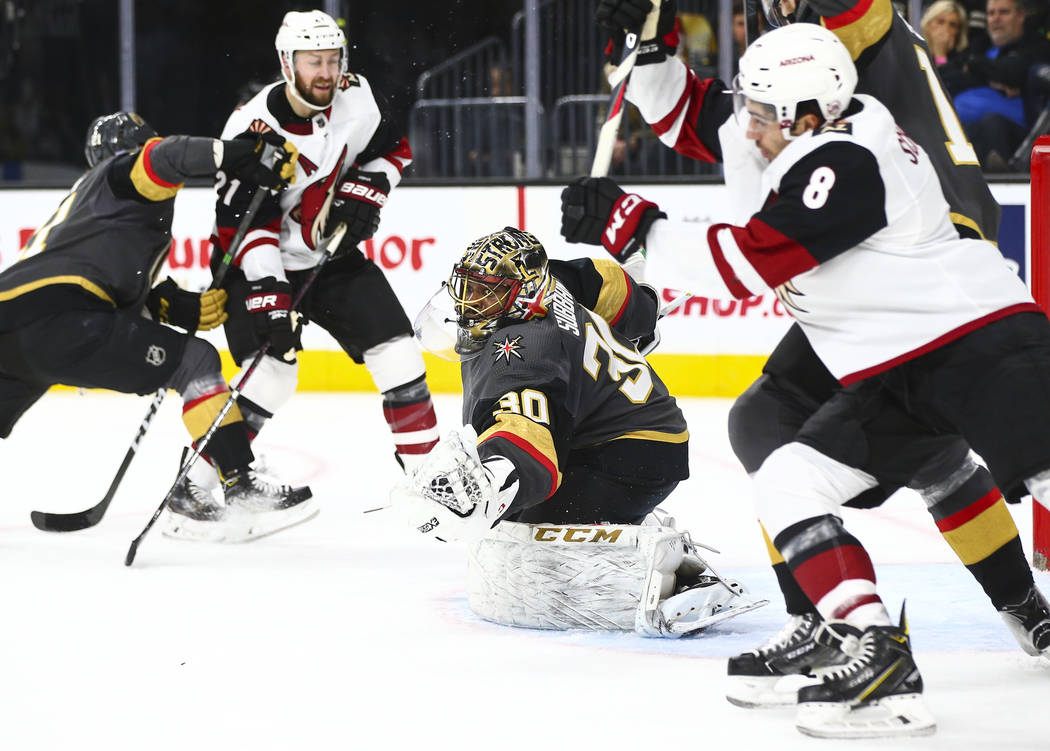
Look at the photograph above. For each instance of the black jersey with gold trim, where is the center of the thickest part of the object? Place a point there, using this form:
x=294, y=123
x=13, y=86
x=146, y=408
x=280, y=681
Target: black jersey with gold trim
x=104, y=244
x=895, y=67
x=545, y=388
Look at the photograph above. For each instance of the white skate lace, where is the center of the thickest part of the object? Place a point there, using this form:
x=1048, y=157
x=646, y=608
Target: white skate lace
x=861, y=656
x=790, y=633
x=267, y=485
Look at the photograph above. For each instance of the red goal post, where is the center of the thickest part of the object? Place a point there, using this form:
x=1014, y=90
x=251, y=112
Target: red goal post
x=1039, y=279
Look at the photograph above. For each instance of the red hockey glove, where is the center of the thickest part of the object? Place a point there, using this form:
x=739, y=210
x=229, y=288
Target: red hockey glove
x=595, y=211
x=269, y=303
x=358, y=201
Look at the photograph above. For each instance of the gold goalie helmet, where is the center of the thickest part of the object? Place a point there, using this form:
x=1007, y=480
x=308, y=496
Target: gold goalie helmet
x=501, y=277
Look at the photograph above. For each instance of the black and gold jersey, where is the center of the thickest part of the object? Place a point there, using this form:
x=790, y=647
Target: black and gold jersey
x=572, y=380
x=104, y=244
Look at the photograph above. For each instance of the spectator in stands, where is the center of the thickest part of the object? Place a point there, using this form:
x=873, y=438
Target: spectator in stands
x=944, y=28
x=987, y=84
x=698, y=46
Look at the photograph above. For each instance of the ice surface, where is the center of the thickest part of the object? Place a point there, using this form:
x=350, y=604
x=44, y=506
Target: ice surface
x=347, y=632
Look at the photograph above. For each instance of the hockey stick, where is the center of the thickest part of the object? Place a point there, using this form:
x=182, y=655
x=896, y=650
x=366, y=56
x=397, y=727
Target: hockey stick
x=331, y=245
x=750, y=22
x=73, y=522
x=614, y=114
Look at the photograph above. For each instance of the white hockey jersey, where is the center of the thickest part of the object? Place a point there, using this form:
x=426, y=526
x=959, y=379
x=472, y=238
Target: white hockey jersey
x=851, y=230
x=353, y=131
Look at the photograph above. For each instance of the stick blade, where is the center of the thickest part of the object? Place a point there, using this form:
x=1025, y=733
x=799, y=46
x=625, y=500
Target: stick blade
x=132, y=550
x=48, y=522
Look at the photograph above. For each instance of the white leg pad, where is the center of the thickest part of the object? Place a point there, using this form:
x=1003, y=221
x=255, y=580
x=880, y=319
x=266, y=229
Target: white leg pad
x=588, y=576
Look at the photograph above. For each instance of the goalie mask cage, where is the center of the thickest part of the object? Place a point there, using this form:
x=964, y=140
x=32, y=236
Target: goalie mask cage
x=1039, y=266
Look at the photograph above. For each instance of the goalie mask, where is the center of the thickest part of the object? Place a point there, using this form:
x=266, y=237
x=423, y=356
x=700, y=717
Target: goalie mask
x=799, y=63
x=114, y=134
x=311, y=30
x=501, y=277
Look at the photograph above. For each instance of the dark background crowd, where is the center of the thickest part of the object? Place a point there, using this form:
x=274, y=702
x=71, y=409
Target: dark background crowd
x=195, y=60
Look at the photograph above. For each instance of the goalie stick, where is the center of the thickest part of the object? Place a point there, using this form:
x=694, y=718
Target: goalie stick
x=73, y=522
x=330, y=246
x=618, y=81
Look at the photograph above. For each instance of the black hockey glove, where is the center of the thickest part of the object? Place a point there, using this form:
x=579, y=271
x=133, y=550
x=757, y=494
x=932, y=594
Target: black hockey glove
x=269, y=303
x=170, y=303
x=595, y=211
x=614, y=16
x=358, y=200
x=245, y=158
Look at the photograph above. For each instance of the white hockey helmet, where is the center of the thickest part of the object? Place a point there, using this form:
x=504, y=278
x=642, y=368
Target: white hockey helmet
x=798, y=63
x=308, y=30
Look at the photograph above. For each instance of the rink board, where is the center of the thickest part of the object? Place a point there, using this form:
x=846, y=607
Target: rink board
x=710, y=347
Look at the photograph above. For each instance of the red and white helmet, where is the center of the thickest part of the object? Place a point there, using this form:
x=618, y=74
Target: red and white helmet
x=308, y=30
x=792, y=64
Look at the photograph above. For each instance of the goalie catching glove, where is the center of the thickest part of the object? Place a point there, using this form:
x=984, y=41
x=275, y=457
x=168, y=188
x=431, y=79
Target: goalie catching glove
x=248, y=159
x=269, y=302
x=453, y=495
x=169, y=303
x=358, y=201
x=617, y=16
x=595, y=211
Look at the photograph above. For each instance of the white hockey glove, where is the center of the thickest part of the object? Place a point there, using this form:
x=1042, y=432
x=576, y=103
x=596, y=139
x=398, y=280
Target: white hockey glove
x=452, y=495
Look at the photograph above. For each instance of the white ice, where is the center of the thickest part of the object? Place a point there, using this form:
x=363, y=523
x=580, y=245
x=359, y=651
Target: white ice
x=347, y=632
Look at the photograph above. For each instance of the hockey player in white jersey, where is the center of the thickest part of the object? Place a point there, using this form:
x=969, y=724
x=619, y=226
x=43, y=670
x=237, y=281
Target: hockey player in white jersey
x=350, y=157
x=893, y=66
x=930, y=334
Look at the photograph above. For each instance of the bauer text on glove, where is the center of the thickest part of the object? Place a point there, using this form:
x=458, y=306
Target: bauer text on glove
x=358, y=201
x=269, y=303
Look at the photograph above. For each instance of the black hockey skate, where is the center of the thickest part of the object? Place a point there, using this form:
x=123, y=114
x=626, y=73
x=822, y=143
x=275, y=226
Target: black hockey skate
x=258, y=506
x=194, y=514
x=771, y=675
x=1029, y=622
x=876, y=694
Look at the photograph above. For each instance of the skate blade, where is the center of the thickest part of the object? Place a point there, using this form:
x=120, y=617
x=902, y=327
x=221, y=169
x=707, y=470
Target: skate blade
x=254, y=526
x=892, y=717
x=179, y=527
x=766, y=692
x=687, y=626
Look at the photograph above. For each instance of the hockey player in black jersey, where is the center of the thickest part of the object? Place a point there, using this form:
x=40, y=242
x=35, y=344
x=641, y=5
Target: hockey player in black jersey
x=893, y=65
x=566, y=424
x=81, y=308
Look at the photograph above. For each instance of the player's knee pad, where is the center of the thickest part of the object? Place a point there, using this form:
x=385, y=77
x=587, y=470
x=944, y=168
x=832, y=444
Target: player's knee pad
x=199, y=369
x=271, y=385
x=600, y=577
x=798, y=482
x=395, y=362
